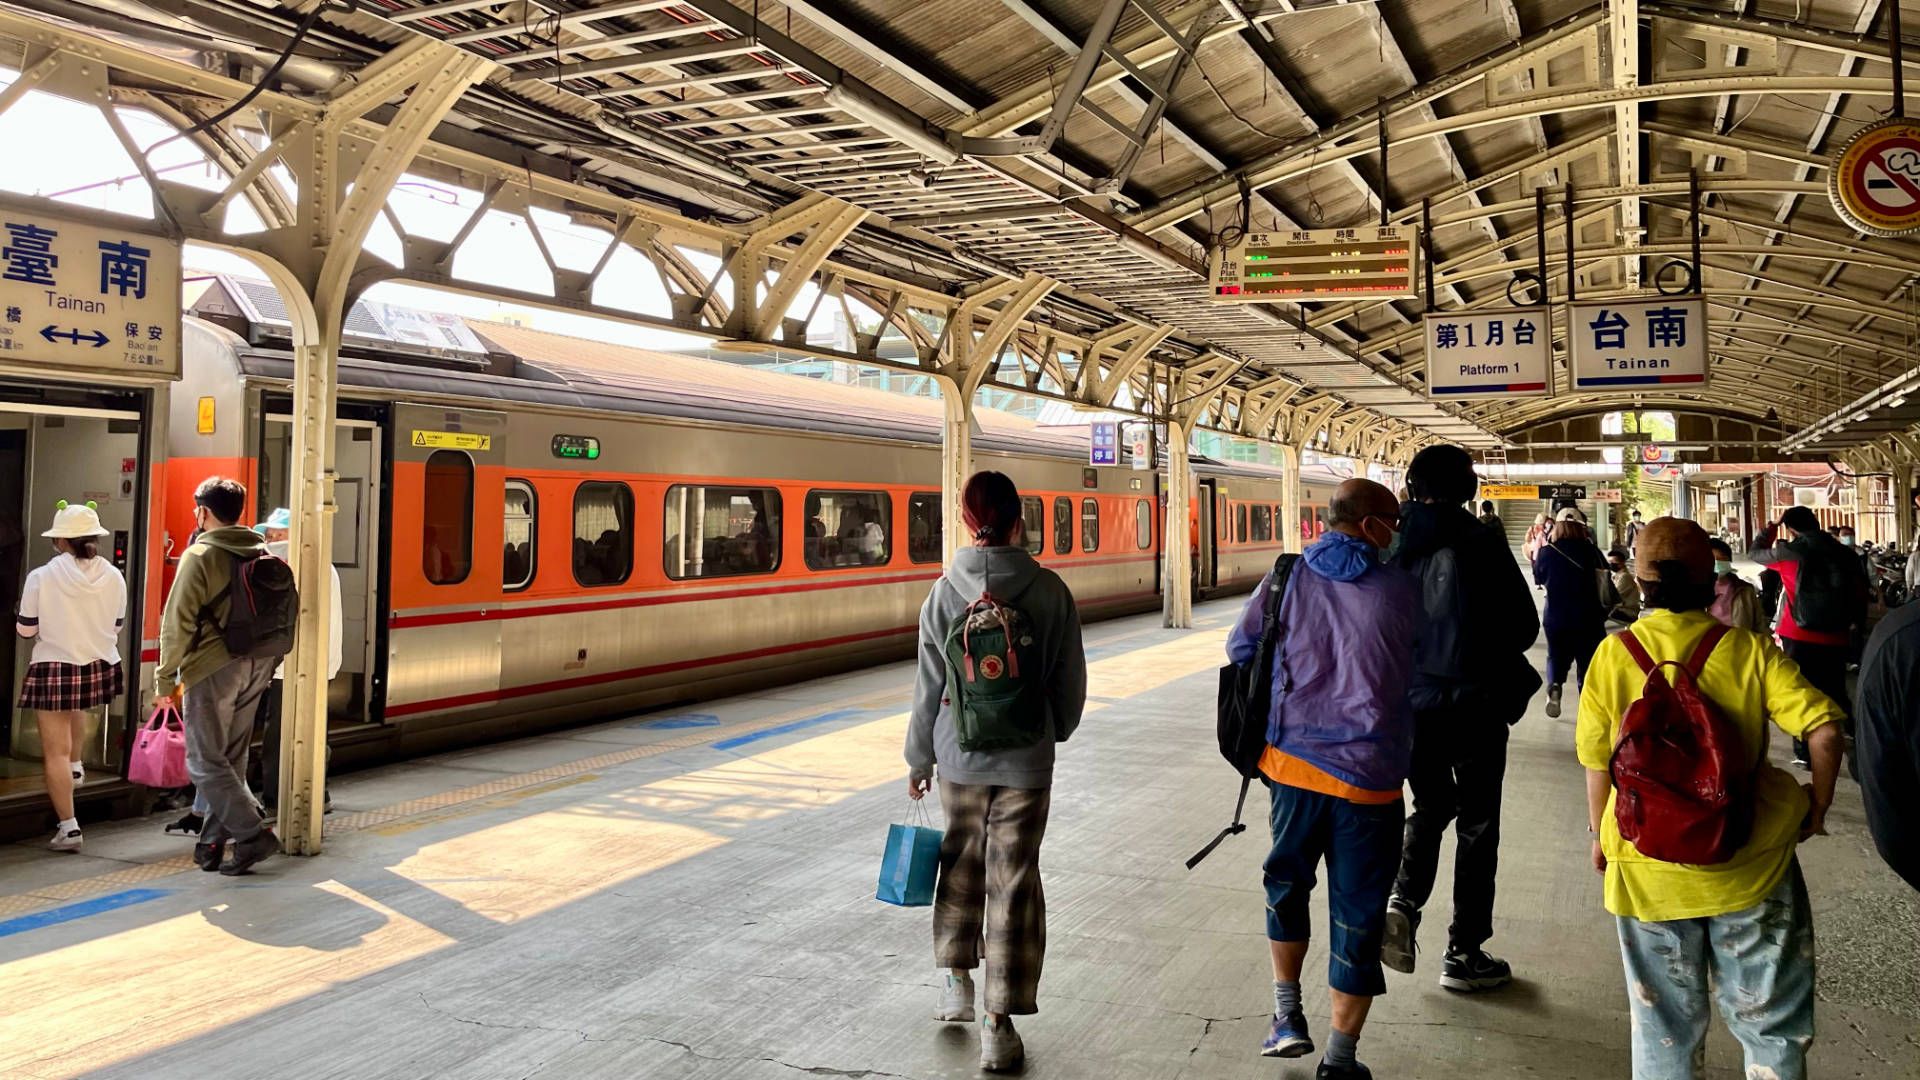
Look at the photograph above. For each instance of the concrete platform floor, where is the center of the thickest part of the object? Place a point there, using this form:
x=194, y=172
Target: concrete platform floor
x=690, y=895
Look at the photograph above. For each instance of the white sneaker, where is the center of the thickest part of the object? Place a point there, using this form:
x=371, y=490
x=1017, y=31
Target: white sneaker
x=65, y=840
x=1000, y=1047
x=79, y=773
x=956, y=1000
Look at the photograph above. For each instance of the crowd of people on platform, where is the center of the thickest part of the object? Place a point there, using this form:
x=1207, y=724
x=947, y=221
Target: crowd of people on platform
x=1400, y=665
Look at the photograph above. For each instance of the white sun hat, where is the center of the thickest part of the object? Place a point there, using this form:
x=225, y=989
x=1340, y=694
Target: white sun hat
x=1570, y=513
x=73, y=522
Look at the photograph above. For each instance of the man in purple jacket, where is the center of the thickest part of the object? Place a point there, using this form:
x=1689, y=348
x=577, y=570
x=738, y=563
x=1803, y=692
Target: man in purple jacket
x=1339, y=743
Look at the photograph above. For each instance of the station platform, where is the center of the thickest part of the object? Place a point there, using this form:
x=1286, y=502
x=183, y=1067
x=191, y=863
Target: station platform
x=690, y=894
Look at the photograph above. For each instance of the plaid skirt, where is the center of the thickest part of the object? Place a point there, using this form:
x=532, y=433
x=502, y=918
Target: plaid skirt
x=53, y=687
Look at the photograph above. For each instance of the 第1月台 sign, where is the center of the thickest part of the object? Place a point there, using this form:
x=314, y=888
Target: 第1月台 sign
x=1489, y=354
x=1509, y=491
x=1875, y=181
x=1633, y=344
x=90, y=297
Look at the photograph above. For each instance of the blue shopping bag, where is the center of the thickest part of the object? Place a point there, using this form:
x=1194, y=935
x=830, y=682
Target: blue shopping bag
x=910, y=865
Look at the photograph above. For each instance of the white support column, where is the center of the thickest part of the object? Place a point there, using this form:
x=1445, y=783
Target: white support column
x=956, y=462
x=1176, y=583
x=1290, y=496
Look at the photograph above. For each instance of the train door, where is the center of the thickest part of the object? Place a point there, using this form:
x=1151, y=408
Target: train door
x=50, y=452
x=356, y=548
x=447, y=537
x=1207, y=566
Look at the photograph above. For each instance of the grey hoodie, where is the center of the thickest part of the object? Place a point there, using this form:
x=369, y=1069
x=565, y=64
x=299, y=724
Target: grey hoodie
x=1015, y=579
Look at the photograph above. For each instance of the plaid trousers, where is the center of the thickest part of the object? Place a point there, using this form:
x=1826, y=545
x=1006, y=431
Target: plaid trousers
x=990, y=888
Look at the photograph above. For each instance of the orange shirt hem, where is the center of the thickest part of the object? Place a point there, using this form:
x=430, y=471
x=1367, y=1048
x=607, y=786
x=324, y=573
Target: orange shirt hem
x=1283, y=768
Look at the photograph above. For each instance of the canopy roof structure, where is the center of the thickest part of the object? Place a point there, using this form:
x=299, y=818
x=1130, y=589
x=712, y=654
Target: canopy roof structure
x=1061, y=169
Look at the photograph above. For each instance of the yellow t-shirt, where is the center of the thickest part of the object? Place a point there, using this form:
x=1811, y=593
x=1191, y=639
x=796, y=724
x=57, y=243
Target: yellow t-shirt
x=1752, y=682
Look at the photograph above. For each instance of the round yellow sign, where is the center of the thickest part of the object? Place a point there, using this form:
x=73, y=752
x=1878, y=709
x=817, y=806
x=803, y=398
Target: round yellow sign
x=1875, y=181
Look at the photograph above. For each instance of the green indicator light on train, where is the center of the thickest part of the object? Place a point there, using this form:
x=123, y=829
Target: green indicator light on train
x=576, y=447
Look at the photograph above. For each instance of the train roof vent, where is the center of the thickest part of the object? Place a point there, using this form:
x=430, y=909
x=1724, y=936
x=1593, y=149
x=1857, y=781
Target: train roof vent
x=369, y=322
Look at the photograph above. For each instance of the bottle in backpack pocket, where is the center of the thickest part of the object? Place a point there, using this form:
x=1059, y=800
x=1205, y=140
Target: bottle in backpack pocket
x=1683, y=778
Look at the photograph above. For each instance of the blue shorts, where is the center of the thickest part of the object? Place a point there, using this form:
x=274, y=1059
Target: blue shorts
x=1361, y=845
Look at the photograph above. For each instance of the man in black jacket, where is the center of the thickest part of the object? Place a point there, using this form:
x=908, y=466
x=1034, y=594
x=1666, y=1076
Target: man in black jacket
x=1471, y=681
x=1887, y=739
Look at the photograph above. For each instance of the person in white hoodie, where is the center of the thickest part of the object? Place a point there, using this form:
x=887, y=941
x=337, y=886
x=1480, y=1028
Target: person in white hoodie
x=72, y=608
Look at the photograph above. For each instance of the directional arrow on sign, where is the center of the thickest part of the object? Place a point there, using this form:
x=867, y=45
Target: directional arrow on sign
x=73, y=337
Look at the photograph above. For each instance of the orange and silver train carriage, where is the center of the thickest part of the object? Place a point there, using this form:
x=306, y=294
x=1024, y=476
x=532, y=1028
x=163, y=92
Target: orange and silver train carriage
x=535, y=529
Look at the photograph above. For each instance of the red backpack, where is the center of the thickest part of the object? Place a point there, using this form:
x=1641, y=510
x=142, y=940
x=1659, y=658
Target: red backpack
x=1682, y=777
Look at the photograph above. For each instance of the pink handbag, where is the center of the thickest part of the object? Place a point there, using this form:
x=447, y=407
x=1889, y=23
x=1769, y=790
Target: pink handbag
x=160, y=750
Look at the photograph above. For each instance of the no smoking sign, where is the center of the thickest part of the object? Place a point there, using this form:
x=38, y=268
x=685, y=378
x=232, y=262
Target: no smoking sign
x=1875, y=182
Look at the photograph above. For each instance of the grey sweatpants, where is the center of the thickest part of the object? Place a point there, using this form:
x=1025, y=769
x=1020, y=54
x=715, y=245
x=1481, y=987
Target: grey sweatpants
x=219, y=713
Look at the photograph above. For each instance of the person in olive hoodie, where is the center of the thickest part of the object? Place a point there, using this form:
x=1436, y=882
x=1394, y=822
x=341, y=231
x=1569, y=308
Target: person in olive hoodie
x=221, y=691
x=1471, y=681
x=995, y=800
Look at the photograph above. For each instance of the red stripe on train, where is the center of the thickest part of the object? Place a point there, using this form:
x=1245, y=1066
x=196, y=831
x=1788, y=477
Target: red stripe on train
x=485, y=697
x=529, y=611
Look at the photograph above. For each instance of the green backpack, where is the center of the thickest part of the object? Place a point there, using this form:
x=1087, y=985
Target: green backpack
x=993, y=677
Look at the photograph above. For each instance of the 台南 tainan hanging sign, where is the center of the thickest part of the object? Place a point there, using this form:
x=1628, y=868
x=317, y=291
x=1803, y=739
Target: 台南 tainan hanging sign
x=1629, y=345
x=1875, y=181
x=1494, y=353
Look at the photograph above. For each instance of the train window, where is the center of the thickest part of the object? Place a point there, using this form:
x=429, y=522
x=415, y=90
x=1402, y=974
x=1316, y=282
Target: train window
x=1062, y=525
x=925, y=525
x=1240, y=523
x=1143, y=524
x=848, y=528
x=721, y=531
x=1089, y=525
x=1306, y=523
x=1262, y=524
x=1033, y=521
x=1220, y=516
x=516, y=557
x=446, y=518
x=602, y=533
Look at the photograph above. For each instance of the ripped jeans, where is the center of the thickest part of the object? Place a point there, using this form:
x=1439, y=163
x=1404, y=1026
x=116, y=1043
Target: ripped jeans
x=1759, y=963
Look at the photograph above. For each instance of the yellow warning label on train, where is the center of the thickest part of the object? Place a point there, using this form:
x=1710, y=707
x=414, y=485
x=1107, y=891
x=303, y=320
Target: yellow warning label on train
x=452, y=440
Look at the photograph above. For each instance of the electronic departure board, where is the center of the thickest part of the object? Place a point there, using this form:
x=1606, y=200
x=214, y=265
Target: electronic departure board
x=1372, y=262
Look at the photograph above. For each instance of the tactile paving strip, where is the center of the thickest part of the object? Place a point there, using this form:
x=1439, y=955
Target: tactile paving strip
x=443, y=806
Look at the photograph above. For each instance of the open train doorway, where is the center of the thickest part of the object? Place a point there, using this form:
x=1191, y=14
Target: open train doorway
x=1206, y=567
x=77, y=446
x=358, y=465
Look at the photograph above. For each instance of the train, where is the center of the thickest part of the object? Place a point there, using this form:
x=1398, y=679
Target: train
x=535, y=530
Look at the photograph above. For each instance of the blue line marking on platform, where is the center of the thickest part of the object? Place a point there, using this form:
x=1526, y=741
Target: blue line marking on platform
x=684, y=720
x=70, y=912
x=782, y=729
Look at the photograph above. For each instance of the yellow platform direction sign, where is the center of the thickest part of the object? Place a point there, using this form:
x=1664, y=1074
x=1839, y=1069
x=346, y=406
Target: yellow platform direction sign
x=1875, y=181
x=452, y=440
x=1509, y=491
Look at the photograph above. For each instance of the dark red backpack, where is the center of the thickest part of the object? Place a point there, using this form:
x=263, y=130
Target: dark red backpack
x=1682, y=776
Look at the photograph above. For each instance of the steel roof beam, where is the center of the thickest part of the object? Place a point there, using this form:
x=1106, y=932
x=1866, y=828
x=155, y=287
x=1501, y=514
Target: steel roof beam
x=850, y=29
